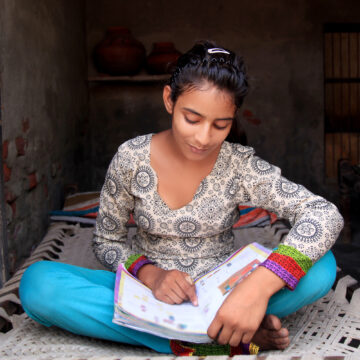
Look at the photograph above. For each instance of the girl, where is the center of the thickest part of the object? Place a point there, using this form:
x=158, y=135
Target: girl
x=184, y=186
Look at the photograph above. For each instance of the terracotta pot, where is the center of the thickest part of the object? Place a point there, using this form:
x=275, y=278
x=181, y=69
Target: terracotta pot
x=119, y=53
x=162, y=58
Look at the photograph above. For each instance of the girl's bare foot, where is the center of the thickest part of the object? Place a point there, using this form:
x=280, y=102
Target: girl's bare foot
x=270, y=335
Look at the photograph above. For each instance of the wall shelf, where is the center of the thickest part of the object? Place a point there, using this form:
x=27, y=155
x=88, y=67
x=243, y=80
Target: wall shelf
x=140, y=78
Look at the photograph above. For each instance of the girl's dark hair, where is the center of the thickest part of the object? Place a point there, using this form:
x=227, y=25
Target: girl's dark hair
x=218, y=66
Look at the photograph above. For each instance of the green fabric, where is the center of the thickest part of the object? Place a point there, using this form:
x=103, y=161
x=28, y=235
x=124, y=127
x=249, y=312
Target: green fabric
x=211, y=349
x=302, y=260
x=131, y=259
x=204, y=349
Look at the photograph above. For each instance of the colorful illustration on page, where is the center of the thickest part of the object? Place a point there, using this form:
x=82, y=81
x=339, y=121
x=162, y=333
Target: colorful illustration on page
x=234, y=279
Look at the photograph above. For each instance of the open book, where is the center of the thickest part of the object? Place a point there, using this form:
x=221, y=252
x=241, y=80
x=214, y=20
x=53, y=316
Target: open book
x=137, y=308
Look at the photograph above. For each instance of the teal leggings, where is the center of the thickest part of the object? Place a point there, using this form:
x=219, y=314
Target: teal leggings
x=81, y=300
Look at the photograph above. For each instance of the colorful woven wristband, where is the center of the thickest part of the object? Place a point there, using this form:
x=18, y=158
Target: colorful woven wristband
x=135, y=262
x=289, y=264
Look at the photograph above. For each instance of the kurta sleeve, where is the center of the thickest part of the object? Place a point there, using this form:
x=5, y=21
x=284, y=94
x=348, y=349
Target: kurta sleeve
x=316, y=223
x=116, y=204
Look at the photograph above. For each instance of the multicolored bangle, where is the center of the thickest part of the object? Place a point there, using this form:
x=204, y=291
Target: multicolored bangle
x=183, y=348
x=135, y=262
x=289, y=264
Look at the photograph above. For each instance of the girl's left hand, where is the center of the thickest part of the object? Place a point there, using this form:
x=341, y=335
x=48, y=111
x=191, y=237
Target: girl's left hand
x=242, y=312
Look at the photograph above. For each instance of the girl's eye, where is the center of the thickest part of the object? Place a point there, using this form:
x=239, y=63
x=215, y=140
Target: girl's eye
x=223, y=125
x=219, y=127
x=190, y=121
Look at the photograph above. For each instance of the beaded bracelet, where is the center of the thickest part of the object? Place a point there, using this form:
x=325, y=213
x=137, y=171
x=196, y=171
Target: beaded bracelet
x=135, y=262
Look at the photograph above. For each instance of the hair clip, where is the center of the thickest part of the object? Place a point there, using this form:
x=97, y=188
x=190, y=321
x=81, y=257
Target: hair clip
x=217, y=50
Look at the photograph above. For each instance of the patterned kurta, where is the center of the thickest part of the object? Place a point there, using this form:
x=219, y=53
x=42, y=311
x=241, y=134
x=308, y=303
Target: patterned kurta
x=197, y=236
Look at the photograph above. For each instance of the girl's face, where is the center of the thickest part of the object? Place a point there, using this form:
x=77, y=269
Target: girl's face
x=201, y=119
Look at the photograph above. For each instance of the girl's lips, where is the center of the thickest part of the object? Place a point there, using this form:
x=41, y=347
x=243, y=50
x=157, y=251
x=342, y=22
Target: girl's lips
x=197, y=150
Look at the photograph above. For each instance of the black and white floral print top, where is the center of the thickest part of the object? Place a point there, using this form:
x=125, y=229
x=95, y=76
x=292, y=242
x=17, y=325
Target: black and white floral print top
x=198, y=236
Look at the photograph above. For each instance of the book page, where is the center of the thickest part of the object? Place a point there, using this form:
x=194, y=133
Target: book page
x=213, y=288
x=138, y=301
x=136, y=307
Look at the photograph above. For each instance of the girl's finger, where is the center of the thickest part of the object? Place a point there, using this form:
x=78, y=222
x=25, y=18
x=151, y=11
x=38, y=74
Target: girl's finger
x=188, y=287
x=178, y=290
x=225, y=335
x=235, y=339
x=247, y=336
x=173, y=294
x=214, y=329
x=167, y=299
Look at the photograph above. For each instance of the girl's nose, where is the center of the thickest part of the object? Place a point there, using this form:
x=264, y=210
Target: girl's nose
x=202, y=135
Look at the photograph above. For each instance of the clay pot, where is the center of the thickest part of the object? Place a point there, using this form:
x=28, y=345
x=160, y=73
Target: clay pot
x=119, y=53
x=162, y=58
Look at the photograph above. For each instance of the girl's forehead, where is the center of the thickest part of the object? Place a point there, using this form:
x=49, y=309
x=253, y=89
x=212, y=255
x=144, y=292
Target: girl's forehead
x=208, y=100
x=206, y=87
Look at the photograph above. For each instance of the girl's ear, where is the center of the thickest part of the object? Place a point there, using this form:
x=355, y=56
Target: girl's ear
x=169, y=105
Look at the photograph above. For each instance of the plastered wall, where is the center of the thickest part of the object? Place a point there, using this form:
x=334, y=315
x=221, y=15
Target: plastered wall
x=44, y=112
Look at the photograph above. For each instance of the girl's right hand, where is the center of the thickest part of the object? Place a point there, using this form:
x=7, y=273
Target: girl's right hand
x=169, y=286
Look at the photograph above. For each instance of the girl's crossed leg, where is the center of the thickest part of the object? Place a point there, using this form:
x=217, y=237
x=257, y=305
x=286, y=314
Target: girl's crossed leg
x=81, y=300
